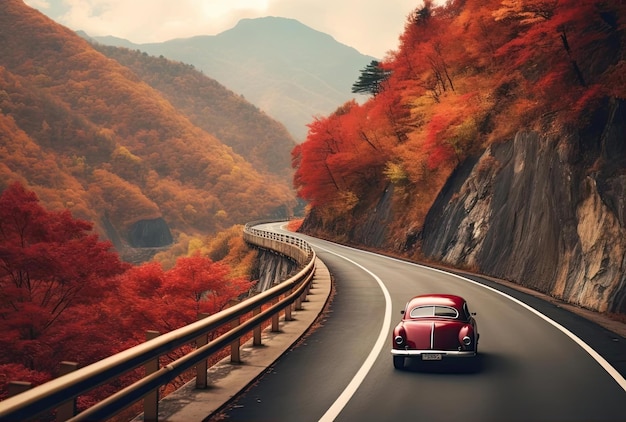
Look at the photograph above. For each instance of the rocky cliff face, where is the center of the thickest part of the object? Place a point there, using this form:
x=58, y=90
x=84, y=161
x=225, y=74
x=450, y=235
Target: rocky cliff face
x=153, y=233
x=271, y=269
x=545, y=210
x=143, y=240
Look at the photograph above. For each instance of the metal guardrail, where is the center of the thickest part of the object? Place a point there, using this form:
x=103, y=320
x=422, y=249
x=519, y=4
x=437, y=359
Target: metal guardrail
x=61, y=393
x=288, y=245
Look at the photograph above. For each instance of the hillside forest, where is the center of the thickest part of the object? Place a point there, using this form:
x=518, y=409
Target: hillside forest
x=91, y=135
x=466, y=75
x=104, y=166
x=260, y=140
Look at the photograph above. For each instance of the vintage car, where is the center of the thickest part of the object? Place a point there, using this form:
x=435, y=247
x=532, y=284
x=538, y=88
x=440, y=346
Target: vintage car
x=435, y=327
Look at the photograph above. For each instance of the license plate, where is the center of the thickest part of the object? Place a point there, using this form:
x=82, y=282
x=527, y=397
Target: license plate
x=431, y=356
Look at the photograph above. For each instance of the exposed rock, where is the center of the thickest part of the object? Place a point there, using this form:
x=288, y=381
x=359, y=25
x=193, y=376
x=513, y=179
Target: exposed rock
x=544, y=211
x=272, y=268
x=150, y=234
x=145, y=239
x=373, y=231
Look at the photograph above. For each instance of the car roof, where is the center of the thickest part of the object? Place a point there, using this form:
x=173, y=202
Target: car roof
x=437, y=299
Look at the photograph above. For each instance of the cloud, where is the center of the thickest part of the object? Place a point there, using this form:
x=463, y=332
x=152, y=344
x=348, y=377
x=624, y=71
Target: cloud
x=142, y=20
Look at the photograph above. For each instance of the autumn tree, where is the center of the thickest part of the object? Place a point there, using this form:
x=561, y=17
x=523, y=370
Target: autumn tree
x=423, y=59
x=314, y=178
x=203, y=284
x=552, y=44
x=51, y=267
x=154, y=299
x=525, y=11
x=65, y=296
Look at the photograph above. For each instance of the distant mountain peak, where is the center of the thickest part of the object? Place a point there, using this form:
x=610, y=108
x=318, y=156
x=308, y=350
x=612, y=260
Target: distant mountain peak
x=276, y=28
x=284, y=67
x=272, y=20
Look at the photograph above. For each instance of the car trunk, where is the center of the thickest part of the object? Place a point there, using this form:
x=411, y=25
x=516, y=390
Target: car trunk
x=433, y=334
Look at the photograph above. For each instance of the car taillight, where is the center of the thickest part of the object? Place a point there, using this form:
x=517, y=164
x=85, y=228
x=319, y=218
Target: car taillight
x=399, y=338
x=466, y=336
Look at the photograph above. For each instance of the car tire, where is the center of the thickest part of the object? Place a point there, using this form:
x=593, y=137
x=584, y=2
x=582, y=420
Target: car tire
x=398, y=362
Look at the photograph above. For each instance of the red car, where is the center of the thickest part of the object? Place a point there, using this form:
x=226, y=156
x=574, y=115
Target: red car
x=435, y=327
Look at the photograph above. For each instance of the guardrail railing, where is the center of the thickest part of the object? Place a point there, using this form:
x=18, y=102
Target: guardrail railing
x=61, y=393
x=291, y=246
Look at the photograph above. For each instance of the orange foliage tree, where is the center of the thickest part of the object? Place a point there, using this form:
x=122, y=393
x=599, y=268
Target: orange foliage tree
x=465, y=74
x=154, y=129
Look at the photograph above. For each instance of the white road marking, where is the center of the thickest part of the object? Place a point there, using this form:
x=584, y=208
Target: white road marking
x=595, y=355
x=349, y=391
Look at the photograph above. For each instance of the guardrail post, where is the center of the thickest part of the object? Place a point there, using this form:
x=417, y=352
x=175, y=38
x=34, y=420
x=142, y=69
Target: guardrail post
x=288, y=309
x=235, y=345
x=304, y=296
x=288, y=313
x=67, y=409
x=275, y=319
x=16, y=387
x=257, y=330
x=202, y=367
x=151, y=400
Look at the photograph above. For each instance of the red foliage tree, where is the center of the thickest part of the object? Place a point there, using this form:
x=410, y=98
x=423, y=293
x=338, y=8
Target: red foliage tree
x=65, y=296
x=51, y=268
x=202, y=285
x=153, y=299
x=313, y=178
x=553, y=42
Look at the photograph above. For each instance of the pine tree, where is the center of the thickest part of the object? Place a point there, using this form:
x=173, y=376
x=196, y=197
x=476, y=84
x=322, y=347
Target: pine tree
x=371, y=79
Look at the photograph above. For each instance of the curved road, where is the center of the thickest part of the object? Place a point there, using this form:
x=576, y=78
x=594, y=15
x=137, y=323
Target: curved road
x=529, y=369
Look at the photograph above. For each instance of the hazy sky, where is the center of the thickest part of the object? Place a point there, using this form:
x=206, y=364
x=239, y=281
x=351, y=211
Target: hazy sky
x=372, y=26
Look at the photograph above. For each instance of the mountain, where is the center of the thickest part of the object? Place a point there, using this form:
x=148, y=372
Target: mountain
x=496, y=146
x=88, y=134
x=285, y=68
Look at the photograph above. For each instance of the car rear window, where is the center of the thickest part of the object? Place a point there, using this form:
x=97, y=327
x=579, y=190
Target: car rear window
x=434, y=311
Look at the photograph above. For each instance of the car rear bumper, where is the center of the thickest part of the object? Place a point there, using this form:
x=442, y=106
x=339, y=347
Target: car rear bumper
x=409, y=353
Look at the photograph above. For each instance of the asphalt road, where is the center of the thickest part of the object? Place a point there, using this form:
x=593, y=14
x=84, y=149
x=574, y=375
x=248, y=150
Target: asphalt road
x=529, y=369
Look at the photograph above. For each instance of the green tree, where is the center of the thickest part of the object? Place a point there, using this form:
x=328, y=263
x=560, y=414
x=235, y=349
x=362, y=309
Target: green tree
x=371, y=79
